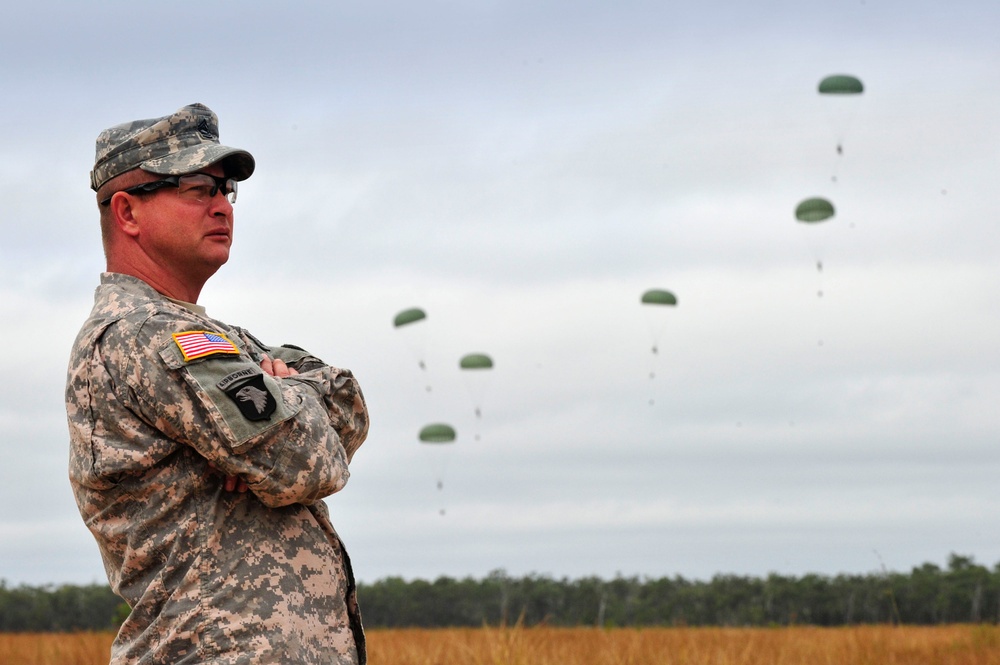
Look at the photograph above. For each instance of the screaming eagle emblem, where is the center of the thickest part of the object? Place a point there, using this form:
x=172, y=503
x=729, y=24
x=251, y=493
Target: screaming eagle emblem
x=249, y=392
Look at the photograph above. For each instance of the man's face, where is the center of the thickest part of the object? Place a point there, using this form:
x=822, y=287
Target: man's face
x=190, y=238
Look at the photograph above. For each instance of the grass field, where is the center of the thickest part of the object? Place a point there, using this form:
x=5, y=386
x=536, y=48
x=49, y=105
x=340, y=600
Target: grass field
x=860, y=645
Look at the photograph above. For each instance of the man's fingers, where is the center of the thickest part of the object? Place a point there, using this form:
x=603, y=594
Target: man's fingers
x=281, y=369
x=230, y=483
x=276, y=367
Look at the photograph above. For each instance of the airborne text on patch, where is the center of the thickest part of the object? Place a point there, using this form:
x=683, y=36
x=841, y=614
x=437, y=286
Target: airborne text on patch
x=236, y=377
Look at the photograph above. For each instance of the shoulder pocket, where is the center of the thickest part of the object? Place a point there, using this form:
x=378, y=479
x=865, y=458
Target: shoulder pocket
x=235, y=394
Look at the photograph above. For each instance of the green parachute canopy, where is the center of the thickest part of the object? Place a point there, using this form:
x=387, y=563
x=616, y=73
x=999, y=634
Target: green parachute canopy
x=437, y=433
x=659, y=297
x=814, y=210
x=409, y=316
x=476, y=361
x=841, y=84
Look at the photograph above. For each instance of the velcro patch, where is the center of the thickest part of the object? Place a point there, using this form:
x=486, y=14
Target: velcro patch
x=250, y=394
x=200, y=343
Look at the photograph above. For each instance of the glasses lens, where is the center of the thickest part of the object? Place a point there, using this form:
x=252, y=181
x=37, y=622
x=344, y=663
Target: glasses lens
x=196, y=187
x=202, y=187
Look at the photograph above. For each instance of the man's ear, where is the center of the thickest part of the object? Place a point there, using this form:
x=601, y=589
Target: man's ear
x=124, y=213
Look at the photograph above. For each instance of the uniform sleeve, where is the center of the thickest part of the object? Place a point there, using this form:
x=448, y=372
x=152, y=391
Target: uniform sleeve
x=290, y=439
x=292, y=355
x=296, y=357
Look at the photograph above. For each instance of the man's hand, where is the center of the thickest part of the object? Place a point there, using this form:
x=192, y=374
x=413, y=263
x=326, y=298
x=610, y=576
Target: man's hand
x=232, y=483
x=276, y=368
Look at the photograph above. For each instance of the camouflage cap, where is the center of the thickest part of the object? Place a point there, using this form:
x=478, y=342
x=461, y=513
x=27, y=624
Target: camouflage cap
x=183, y=142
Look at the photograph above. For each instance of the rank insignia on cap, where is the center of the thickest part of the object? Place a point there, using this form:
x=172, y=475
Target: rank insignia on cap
x=252, y=397
x=199, y=343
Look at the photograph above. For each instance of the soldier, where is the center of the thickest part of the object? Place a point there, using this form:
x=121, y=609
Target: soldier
x=199, y=455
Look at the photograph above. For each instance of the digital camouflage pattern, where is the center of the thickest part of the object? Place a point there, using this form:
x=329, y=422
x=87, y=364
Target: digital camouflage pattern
x=212, y=576
x=183, y=142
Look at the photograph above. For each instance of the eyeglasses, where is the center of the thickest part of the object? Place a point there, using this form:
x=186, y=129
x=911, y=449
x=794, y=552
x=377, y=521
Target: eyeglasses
x=200, y=187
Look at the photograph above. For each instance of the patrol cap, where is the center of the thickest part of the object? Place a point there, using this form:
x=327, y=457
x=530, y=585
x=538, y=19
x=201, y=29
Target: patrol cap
x=183, y=142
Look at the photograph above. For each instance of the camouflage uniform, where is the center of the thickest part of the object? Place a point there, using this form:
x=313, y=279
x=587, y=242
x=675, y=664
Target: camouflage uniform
x=212, y=576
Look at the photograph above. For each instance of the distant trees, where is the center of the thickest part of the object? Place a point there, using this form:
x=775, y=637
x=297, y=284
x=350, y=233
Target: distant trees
x=963, y=592
x=59, y=609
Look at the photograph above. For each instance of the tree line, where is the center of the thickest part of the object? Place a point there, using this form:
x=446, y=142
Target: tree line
x=962, y=592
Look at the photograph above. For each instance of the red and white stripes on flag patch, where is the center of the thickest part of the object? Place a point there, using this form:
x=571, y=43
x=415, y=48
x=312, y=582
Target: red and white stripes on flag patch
x=199, y=343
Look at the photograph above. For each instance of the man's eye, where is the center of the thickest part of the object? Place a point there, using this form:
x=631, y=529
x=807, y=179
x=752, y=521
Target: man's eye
x=195, y=191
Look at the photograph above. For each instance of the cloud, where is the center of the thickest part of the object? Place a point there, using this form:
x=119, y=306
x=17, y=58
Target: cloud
x=523, y=171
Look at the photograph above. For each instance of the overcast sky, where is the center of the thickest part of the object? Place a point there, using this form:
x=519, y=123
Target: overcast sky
x=524, y=171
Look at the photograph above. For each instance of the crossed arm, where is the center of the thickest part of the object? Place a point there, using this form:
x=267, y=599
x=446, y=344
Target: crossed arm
x=276, y=368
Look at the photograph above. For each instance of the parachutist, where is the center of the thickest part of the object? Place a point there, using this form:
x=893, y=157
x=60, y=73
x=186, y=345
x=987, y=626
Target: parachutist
x=819, y=266
x=422, y=365
x=840, y=149
x=440, y=485
x=473, y=364
x=655, y=350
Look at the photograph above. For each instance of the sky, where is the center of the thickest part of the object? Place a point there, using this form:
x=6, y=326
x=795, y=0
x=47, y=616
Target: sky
x=823, y=398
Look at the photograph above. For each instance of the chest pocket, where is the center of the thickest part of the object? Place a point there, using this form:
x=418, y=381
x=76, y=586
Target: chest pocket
x=235, y=394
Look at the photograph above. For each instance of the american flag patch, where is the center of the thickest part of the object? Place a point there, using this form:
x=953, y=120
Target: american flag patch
x=199, y=343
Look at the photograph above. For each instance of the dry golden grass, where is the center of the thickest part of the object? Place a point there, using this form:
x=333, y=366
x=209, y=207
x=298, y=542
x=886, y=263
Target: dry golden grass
x=864, y=645
x=55, y=648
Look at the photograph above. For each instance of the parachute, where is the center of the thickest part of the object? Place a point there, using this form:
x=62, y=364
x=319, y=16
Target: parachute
x=845, y=87
x=476, y=361
x=814, y=210
x=474, y=367
x=658, y=297
x=408, y=316
x=841, y=84
x=811, y=212
x=658, y=300
x=437, y=433
x=407, y=321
